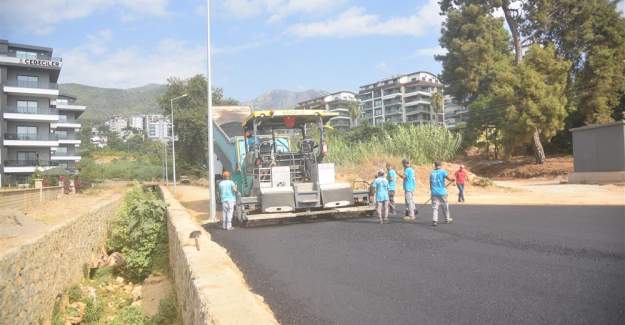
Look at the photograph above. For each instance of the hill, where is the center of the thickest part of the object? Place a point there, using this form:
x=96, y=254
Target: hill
x=283, y=99
x=105, y=102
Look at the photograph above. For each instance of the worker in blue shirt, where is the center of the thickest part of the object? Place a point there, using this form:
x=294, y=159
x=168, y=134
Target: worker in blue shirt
x=439, y=192
x=227, y=192
x=410, y=185
x=380, y=186
x=391, y=176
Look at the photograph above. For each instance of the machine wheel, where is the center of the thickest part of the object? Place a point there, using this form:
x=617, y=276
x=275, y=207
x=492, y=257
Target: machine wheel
x=239, y=215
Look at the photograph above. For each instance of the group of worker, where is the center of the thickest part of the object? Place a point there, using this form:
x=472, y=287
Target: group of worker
x=384, y=187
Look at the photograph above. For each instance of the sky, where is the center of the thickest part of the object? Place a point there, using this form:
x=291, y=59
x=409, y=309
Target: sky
x=257, y=45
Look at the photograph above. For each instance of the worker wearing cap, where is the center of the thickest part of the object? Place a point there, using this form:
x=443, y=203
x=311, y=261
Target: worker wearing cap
x=227, y=192
x=410, y=185
x=391, y=176
x=380, y=186
x=439, y=192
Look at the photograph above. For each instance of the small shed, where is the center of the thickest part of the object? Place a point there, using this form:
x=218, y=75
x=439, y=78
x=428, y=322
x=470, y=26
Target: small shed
x=599, y=153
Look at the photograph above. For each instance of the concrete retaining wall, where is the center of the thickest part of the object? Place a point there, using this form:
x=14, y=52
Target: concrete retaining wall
x=22, y=199
x=34, y=273
x=209, y=286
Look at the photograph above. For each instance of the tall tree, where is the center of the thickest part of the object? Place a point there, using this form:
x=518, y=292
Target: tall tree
x=590, y=34
x=190, y=117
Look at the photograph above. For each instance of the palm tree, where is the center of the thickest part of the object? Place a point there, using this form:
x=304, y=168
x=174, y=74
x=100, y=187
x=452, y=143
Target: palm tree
x=354, y=112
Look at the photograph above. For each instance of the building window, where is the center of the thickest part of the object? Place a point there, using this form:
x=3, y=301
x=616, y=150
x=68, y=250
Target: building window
x=26, y=132
x=61, y=150
x=152, y=131
x=62, y=118
x=62, y=101
x=27, y=81
x=27, y=106
x=25, y=55
x=25, y=157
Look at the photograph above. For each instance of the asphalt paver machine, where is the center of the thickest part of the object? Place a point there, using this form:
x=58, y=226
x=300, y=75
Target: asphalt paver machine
x=282, y=173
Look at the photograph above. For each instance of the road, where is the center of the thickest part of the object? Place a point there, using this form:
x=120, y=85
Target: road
x=493, y=265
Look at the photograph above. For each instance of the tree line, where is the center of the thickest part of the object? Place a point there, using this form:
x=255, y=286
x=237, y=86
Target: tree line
x=545, y=67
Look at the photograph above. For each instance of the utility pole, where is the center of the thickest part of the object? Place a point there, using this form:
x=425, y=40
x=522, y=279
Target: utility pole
x=211, y=162
x=173, y=137
x=166, y=169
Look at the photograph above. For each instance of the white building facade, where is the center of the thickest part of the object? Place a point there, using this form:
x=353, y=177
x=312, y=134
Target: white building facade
x=339, y=102
x=157, y=128
x=401, y=99
x=456, y=115
x=38, y=126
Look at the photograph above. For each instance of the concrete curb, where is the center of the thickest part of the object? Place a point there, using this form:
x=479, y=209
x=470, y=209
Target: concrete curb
x=210, y=288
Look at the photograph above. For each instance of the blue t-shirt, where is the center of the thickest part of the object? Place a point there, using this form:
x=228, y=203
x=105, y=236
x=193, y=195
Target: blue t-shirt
x=437, y=182
x=381, y=189
x=226, y=191
x=410, y=184
x=392, y=179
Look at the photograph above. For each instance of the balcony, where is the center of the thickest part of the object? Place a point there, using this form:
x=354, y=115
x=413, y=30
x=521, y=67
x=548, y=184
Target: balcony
x=64, y=156
x=68, y=138
x=27, y=166
x=30, y=140
x=34, y=88
x=44, y=114
x=66, y=124
x=65, y=106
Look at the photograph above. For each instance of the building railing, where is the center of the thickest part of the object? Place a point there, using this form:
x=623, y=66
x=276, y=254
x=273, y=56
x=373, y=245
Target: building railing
x=32, y=84
x=64, y=154
x=39, y=110
x=29, y=163
x=39, y=56
x=30, y=137
x=67, y=136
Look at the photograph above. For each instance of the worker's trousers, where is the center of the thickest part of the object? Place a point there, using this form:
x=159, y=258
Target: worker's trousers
x=382, y=209
x=227, y=209
x=410, y=206
x=440, y=202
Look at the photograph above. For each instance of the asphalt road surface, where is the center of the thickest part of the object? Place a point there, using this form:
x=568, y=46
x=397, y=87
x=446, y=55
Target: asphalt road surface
x=493, y=265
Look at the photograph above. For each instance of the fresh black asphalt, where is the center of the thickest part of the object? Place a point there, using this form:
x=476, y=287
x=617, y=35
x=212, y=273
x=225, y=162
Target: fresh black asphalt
x=493, y=265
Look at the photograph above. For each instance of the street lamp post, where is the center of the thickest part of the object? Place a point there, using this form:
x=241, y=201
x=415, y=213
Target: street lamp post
x=173, y=137
x=211, y=161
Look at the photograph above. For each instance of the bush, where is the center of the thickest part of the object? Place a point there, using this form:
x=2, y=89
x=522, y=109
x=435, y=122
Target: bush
x=93, y=310
x=421, y=144
x=139, y=232
x=167, y=312
x=74, y=293
x=130, y=315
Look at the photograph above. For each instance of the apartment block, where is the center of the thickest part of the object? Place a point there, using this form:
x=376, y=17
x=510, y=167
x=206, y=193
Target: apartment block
x=157, y=127
x=401, y=99
x=38, y=126
x=117, y=124
x=456, y=115
x=136, y=122
x=339, y=102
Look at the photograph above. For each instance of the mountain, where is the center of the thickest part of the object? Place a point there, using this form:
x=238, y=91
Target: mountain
x=103, y=103
x=283, y=99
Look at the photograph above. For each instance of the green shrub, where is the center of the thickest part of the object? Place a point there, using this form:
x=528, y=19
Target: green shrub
x=421, y=144
x=139, y=232
x=167, y=312
x=93, y=310
x=74, y=293
x=130, y=315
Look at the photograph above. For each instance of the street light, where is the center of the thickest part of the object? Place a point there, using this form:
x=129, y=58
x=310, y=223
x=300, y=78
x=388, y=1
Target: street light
x=173, y=136
x=211, y=161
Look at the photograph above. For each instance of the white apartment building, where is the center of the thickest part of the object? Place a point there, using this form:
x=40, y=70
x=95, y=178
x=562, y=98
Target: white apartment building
x=401, y=99
x=338, y=102
x=38, y=126
x=117, y=124
x=157, y=127
x=136, y=122
x=456, y=115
